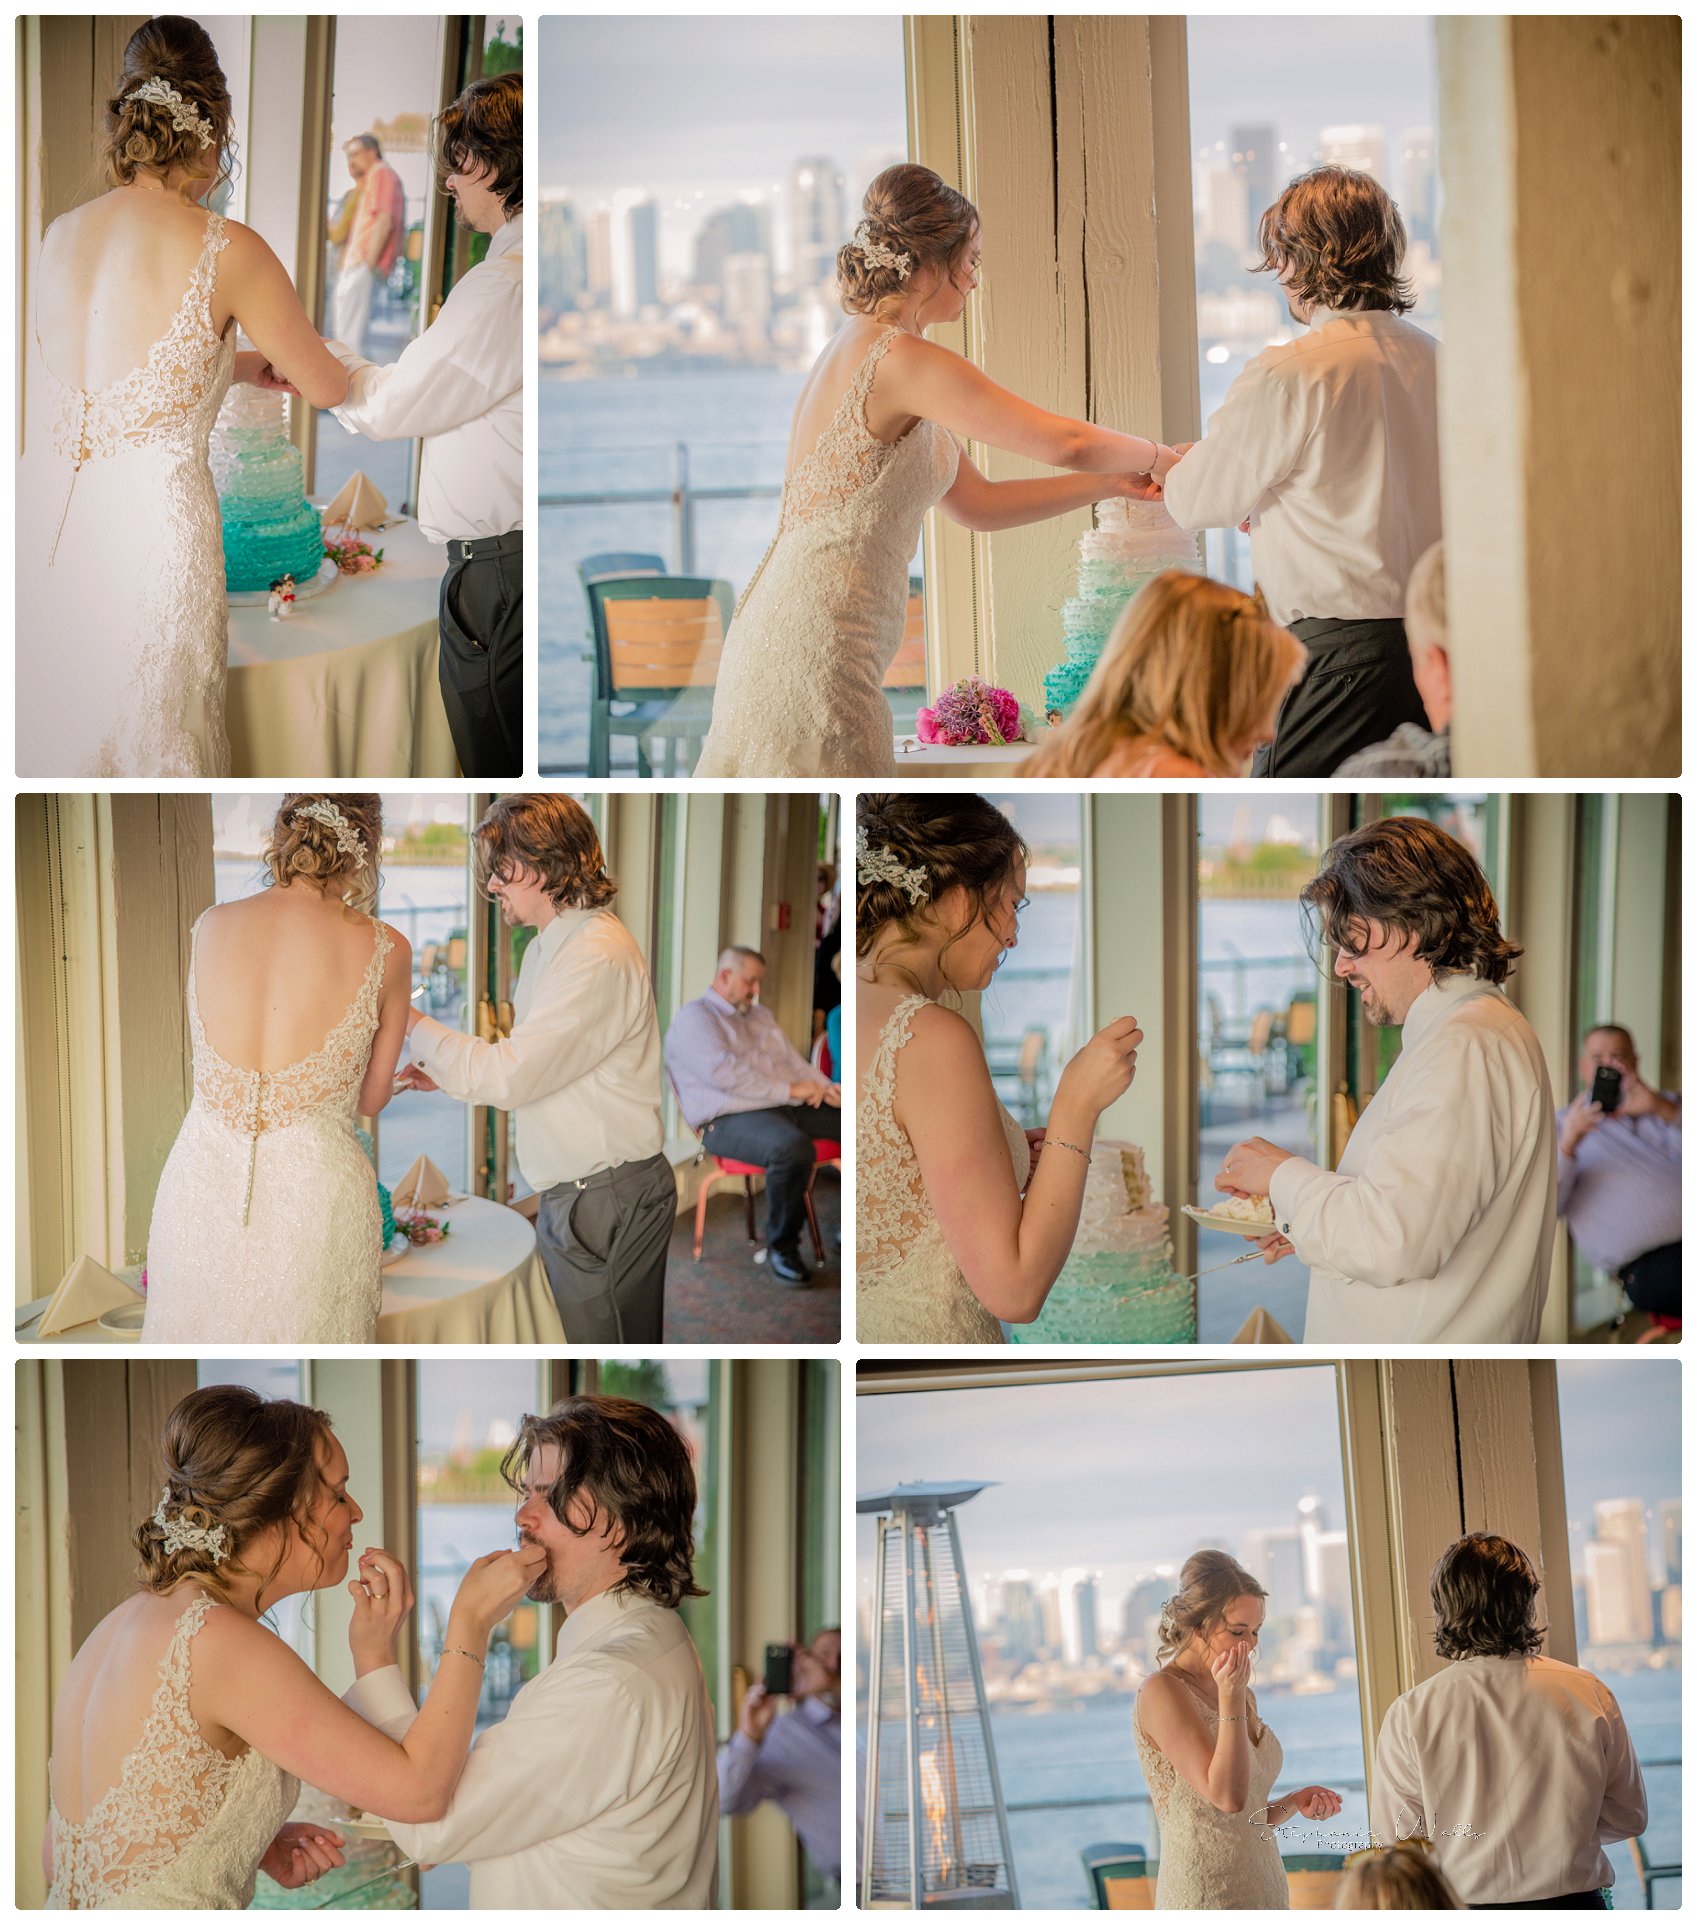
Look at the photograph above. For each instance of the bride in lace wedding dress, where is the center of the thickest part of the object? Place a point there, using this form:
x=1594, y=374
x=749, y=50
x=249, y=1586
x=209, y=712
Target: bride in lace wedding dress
x=958, y=1227
x=1207, y=1757
x=185, y=1726
x=266, y=1227
x=874, y=444
x=122, y=629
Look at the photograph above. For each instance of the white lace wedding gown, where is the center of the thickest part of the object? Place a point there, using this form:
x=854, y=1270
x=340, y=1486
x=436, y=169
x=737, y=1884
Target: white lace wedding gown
x=909, y=1289
x=123, y=628
x=266, y=1226
x=800, y=688
x=184, y=1827
x=1212, y=1859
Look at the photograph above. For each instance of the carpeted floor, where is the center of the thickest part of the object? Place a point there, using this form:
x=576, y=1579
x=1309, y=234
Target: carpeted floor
x=728, y=1298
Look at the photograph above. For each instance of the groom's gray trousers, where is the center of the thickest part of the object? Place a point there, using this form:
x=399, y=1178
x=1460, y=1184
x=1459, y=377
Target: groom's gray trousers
x=603, y=1243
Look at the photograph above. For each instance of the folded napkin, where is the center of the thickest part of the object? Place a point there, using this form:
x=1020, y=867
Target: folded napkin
x=1261, y=1329
x=421, y=1188
x=86, y=1291
x=359, y=505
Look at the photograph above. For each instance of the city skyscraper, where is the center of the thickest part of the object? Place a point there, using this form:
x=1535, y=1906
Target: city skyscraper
x=1625, y=1606
x=1020, y=1616
x=815, y=219
x=1078, y=1616
x=1355, y=146
x=562, y=255
x=636, y=251
x=1417, y=184
x=1258, y=163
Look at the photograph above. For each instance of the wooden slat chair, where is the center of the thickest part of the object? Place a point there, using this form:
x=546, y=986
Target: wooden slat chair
x=1121, y=1877
x=657, y=645
x=1314, y=1879
x=1650, y=1873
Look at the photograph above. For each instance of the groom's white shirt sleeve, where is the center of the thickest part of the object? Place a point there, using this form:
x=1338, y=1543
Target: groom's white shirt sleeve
x=584, y=1002
x=559, y=1759
x=1254, y=440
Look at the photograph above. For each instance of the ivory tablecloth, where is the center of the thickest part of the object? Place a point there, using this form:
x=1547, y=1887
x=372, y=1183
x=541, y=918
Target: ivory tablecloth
x=345, y=688
x=484, y=1283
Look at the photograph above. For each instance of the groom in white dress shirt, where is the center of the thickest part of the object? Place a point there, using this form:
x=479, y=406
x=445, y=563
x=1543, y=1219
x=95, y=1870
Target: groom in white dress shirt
x=1326, y=449
x=1439, y=1222
x=598, y=1789
x=580, y=1071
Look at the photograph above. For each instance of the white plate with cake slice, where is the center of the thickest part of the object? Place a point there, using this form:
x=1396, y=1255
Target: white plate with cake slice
x=1238, y=1216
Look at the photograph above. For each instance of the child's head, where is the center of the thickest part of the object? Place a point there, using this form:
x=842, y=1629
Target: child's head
x=1404, y=1877
x=1192, y=666
x=1335, y=240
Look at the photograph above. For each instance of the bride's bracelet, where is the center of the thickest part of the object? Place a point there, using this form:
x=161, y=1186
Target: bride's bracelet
x=1060, y=1143
x=459, y=1651
x=1237, y=1717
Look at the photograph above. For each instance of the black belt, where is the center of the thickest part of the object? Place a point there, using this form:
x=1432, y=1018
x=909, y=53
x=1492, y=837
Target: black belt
x=510, y=544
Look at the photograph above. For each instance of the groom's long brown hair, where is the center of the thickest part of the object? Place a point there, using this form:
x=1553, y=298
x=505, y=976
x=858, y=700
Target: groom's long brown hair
x=1341, y=237
x=550, y=835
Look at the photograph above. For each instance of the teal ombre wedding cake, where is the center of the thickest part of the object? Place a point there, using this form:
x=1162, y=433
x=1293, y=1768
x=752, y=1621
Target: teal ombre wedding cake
x=1118, y=1284
x=269, y=529
x=1132, y=543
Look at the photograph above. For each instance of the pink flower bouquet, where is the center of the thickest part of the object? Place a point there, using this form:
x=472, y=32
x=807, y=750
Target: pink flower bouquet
x=416, y=1227
x=353, y=556
x=972, y=713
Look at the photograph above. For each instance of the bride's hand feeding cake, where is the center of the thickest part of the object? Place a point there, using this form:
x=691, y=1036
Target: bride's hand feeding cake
x=1132, y=543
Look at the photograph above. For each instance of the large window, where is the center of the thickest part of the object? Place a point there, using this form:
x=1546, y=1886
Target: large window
x=426, y=895
x=698, y=179
x=1258, y=1007
x=386, y=85
x=1624, y=1552
x=1270, y=98
x=1034, y=1014
x=1067, y=1574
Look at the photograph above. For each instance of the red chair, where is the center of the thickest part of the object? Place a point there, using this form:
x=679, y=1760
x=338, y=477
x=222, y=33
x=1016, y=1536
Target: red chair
x=827, y=1152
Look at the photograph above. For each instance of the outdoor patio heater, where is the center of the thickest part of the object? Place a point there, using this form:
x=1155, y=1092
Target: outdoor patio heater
x=937, y=1825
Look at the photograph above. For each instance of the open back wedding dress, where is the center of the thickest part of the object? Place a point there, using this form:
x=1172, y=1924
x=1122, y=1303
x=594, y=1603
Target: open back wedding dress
x=183, y=1828
x=1211, y=1858
x=123, y=627
x=801, y=683
x=266, y=1227
x=909, y=1289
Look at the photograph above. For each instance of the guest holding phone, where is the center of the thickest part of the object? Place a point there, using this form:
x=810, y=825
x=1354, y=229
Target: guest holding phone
x=1618, y=1147
x=793, y=1757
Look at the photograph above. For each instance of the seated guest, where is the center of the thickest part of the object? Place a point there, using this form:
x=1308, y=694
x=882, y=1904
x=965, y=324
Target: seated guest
x=1189, y=684
x=1618, y=1174
x=1517, y=1767
x=748, y=1093
x=1403, y=1877
x=1413, y=750
x=794, y=1757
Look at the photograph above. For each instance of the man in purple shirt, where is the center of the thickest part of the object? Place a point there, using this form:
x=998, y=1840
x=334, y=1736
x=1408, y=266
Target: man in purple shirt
x=1618, y=1175
x=794, y=1757
x=748, y=1093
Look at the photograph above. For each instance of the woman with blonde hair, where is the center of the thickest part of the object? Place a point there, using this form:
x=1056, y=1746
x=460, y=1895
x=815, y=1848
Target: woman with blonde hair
x=874, y=444
x=266, y=1226
x=1209, y=1761
x=1404, y=1877
x=1190, y=684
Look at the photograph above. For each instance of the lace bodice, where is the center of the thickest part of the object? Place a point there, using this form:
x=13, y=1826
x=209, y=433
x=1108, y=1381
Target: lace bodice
x=909, y=1287
x=255, y=1101
x=163, y=395
x=800, y=688
x=1211, y=1858
x=183, y=1827
x=122, y=620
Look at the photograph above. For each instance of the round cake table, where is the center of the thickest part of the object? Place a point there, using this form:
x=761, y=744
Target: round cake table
x=483, y=1283
x=935, y=759
x=346, y=687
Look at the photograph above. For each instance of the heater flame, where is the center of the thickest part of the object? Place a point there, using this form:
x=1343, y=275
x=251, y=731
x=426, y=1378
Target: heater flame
x=931, y=1790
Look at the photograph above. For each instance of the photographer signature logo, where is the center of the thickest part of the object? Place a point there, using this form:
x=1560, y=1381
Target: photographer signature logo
x=1407, y=1826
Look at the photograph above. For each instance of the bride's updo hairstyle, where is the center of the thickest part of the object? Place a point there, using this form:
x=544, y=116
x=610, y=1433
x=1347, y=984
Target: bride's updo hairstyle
x=141, y=135
x=958, y=841
x=235, y=1460
x=1207, y=1584
x=306, y=847
x=909, y=211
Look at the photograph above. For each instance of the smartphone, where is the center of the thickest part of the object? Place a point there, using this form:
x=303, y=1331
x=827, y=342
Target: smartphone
x=778, y=1670
x=1605, y=1090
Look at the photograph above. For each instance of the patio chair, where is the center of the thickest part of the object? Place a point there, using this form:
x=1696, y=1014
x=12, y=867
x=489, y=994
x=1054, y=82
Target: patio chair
x=1651, y=1874
x=1314, y=1878
x=657, y=641
x=1122, y=1878
x=594, y=568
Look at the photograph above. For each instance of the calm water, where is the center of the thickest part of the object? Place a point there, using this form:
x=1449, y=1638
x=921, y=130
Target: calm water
x=1088, y=1752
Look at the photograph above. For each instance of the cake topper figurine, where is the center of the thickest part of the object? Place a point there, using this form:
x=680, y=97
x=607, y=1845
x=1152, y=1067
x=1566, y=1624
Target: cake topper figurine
x=281, y=600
